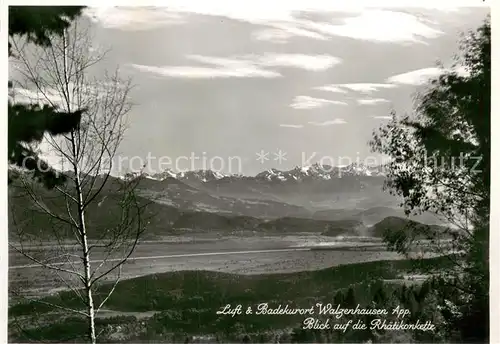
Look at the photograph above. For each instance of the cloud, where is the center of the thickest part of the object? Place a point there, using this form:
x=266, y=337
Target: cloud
x=27, y=96
x=271, y=35
x=379, y=25
x=306, y=102
x=280, y=20
x=372, y=101
x=281, y=33
x=382, y=117
x=207, y=72
x=218, y=61
x=330, y=88
x=248, y=66
x=424, y=75
x=356, y=87
x=416, y=77
x=366, y=88
x=297, y=126
x=57, y=98
x=331, y=122
x=303, y=61
x=224, y=68
x=307, y=62
x=134, y=18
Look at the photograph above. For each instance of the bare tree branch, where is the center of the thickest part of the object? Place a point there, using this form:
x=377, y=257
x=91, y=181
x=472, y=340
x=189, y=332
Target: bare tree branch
x=61, y=74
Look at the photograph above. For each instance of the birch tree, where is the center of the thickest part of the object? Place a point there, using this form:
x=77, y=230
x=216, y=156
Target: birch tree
x=92, y=223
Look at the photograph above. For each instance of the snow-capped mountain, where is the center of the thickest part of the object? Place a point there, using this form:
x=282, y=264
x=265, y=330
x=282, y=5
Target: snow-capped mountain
x=309, y=187
x=312, y=172
x=168, y=173
x=363, y=170
x=272, y=193
x=271, y=174
x=198, y=175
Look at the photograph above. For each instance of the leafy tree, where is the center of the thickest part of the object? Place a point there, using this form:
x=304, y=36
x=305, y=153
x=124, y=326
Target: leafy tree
x=350, y=298
x=38, y=23
x=412, y=303
x=338, y=299
x=300, y=335
x=28, y=123
x=440, y=162
x=380, y=297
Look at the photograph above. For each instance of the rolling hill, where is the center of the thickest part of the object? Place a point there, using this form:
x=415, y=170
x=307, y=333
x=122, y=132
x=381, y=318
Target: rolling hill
x=175, y=205
x=396, y=227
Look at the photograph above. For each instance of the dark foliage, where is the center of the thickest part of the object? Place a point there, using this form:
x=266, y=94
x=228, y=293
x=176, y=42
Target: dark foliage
x=38, y=23
x=27, y=122
x=185, y=303
x=444, y=147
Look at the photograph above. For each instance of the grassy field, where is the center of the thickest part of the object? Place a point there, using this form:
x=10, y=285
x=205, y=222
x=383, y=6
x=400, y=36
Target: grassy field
x=185, y=303
x=241, y=255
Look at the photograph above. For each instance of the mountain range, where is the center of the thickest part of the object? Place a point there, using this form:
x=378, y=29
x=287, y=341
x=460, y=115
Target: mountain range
x=313, y=188
x=313, y=172
x=308, y=199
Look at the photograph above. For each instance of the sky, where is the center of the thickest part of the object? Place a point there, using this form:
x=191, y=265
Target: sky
x=275, y=86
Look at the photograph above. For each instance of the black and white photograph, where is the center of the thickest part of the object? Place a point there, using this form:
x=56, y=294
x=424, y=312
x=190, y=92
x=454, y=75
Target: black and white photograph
x=214, y=171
